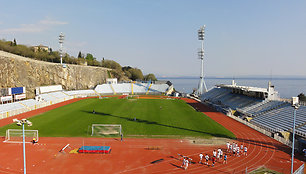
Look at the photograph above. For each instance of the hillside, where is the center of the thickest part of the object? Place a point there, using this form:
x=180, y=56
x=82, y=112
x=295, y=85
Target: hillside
x=18, y=71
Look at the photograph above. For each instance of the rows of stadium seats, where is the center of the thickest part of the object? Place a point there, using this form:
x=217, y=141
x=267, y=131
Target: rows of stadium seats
x=81, y=93
x=272, y=115
x=127, y=88
x=158, y=88
x=30, y=103
x=10, y=109
x=263, y=107
x=281, y=118
x=140, y=88
x=301, y=131
x=11, y=106
x=104, y=89
x=224, y=97
x=122, y=88
x=54, y=97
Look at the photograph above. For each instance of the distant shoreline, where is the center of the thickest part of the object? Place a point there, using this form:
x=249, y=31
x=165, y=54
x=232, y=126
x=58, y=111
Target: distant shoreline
x=238, y=78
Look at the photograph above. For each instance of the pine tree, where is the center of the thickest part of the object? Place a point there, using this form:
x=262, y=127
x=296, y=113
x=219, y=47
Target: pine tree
x=80, y=55
x=15, y=43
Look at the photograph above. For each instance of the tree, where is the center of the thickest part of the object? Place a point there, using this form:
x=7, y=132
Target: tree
x=80, y=55
x=150, y=77
x=302, y=97
x=90, y=57
x=136, y=74
x=15, y=43
x=111, y=64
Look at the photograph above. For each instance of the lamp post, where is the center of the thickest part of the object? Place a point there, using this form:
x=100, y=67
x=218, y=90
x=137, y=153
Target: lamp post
x=61, y=41
x=295, y=105
x=21, y=123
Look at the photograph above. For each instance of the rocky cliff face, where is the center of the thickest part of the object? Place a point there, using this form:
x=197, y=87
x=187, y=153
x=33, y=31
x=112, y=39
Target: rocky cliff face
x=17, y=71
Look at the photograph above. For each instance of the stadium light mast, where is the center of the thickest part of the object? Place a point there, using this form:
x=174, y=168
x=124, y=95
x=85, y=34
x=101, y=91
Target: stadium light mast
x=202, y=86
x=295, y=105
x=61, y=41
x=21, y=123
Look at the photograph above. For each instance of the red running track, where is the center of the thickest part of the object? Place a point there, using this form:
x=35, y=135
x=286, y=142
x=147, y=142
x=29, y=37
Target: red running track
x=133, y=156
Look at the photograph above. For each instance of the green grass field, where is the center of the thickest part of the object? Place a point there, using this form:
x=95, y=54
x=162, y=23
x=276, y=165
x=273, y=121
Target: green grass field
x=154, y=117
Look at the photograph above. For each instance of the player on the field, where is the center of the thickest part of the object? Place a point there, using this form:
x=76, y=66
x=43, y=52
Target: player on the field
x=221, y=154
x=206, y=158
x=214, y=153
x=218, y=155
x=230, y=148
x=201, y=156
x=245, y=151
x=213, y=161
x=186, y=163
x=225, y=159
x=237, y=149
x=227, y=146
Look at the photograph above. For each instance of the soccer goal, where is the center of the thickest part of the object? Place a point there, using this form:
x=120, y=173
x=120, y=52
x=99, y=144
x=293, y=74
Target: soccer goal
x=132, y=97
x=15, y=135
x=106, y=130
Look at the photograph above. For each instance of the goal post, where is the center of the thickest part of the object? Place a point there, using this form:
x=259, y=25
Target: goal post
x=106, y=130
x=15, y=135
x=132, y=97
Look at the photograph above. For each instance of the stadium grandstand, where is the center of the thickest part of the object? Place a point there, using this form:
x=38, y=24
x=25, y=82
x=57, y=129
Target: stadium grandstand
x=261, y=109
x=13, y=100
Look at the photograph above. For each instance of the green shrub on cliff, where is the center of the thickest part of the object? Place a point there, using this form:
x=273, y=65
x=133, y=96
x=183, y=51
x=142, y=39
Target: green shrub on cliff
x=122, y=73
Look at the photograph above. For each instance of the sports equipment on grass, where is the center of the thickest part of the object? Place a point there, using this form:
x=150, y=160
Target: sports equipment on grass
x=106, y=130
x=15, y=135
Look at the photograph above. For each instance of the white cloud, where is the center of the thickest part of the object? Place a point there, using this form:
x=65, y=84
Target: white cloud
x=40, y=26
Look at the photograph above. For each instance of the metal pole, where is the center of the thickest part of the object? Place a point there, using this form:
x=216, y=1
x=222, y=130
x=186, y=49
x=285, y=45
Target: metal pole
x=24, y=156
x=293, y=134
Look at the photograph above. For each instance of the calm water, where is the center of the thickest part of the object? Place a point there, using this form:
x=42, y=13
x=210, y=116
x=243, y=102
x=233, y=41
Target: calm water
x=287, y=88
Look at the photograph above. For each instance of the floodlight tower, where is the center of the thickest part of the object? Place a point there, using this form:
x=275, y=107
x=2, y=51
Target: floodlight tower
x=295, y=105
x=21, y=123
x=202, y=86
x=61, y=41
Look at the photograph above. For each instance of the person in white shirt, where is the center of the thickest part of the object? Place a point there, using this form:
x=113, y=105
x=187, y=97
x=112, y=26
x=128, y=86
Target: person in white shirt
x=186, y=163
x=228, y=146
x=206, y=158
x=201, y=157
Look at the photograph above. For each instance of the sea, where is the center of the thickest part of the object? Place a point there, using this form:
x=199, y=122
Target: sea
x=286, y=87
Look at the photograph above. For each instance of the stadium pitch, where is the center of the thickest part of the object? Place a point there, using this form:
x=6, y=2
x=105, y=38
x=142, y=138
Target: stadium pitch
x=138, y=117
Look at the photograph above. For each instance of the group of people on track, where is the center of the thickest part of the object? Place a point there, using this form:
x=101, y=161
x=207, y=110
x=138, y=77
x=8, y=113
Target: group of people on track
x=218, y=155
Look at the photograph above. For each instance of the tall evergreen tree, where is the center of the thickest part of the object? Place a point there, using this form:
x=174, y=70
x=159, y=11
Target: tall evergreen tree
x=15, y=43
x=80, y=55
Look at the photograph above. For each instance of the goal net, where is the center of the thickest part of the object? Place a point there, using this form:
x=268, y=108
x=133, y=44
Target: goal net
x=132, y=97
x=15, y=135
x=106, y=130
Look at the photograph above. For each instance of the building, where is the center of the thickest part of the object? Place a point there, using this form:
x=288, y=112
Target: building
x=41, y=48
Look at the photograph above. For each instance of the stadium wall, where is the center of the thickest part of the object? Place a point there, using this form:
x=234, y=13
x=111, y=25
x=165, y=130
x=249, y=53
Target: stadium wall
x=20, y=71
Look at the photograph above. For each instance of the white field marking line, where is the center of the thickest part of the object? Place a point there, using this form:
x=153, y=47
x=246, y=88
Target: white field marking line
x=265, y=154
x=243, y=135
x=128, y=170
x=195, y=170
x=246, y=136
x=236, y=161
x=191, y=170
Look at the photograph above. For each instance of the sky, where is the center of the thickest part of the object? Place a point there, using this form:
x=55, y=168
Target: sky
x=242, y=38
